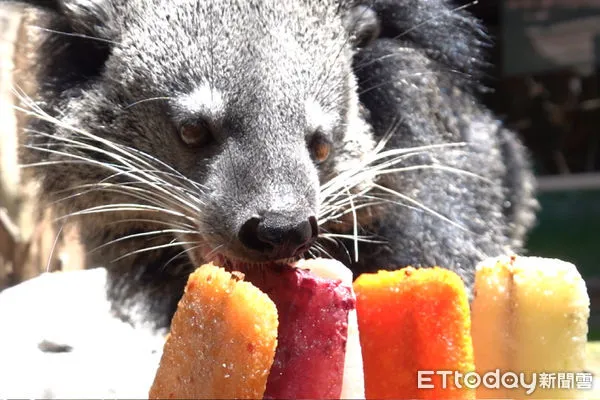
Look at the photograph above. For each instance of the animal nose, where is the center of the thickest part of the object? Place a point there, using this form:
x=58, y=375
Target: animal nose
x=278, y=237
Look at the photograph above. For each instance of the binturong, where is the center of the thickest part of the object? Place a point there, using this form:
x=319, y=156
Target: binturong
x=253, y=132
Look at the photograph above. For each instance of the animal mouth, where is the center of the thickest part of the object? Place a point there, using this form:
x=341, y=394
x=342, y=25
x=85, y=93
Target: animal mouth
x=235, y=264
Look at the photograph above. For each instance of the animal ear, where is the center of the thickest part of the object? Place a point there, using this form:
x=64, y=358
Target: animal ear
x=68, y=41
x=362, y=24
x=92, y=16
x=447, y=33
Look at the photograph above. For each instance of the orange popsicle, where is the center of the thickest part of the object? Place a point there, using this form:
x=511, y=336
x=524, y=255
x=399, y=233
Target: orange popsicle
x=414, y=320
x=222, y=341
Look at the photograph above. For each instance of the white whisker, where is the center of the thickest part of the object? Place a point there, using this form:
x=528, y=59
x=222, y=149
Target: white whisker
x=213, y=251
x=422, y=206
x=351, y=237
x=322, y=250
x=151, y=248
x=135, y=103
x=185, y=202
x=56, y=238
x=123, y=207
x=72, y=34
x=139, y=235
x=171, y=224
x=185, y=250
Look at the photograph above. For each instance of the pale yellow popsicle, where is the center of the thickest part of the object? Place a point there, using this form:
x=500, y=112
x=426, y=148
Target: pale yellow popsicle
x=530, y=314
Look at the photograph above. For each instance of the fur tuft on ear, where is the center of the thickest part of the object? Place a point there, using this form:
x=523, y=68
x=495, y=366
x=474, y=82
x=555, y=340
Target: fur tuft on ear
x=51, y=5
x=67, y=42
x=91, y=17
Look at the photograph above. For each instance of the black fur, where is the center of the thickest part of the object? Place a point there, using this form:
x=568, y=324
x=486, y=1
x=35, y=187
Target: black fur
x=408, y=68
x=442, y=30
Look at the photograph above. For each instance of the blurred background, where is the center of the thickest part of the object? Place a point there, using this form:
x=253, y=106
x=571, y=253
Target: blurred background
x=543, y=81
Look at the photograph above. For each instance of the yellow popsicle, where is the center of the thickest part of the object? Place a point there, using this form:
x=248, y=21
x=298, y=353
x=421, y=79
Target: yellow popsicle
x=530, y=315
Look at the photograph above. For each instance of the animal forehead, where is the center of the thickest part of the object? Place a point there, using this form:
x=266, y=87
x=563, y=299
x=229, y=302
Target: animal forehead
x=305, y=20
x=233, y=36
x=211, y=103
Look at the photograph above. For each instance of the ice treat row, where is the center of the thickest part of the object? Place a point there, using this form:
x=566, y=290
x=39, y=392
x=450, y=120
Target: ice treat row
x=528, y=319
x=310, y=332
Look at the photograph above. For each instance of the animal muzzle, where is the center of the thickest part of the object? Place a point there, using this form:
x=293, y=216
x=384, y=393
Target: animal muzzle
x=278, y=236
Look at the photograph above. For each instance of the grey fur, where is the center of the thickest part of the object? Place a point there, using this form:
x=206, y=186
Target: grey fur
x=404, y=71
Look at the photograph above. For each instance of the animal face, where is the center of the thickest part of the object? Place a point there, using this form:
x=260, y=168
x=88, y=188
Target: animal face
x=224, y=116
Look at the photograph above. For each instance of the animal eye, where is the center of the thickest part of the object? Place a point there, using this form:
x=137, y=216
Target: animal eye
x=195, y=134
x=320, y=148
